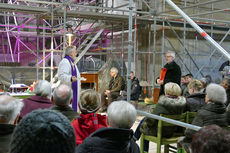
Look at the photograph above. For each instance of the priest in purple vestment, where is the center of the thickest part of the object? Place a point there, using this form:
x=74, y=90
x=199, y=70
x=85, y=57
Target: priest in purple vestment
x=68, y=73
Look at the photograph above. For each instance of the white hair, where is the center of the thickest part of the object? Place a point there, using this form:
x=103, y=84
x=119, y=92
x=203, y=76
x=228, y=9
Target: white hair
x=62, y=95
x=69, y=49
x=121, y=114
x=114, y=69
x=42, y=88
x=9, y=108
x=172, y=53
x=216, y=93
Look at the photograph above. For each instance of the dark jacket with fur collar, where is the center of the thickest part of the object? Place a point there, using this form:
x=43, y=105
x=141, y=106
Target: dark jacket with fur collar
x=167, y=106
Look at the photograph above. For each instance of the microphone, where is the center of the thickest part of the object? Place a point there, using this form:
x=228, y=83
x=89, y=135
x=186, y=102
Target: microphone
x=87, y=58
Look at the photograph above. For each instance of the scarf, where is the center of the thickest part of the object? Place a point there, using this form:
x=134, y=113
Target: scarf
x=74, y=84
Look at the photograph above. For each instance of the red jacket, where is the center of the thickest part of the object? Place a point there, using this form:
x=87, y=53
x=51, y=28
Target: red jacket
x=86, y=124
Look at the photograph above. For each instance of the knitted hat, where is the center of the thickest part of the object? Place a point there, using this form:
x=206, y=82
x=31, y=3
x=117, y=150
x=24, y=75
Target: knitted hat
x=43, y=131
x=89, y=101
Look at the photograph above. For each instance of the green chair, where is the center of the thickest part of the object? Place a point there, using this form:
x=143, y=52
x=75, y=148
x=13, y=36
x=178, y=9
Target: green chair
x=159, y=140
x=190, y=116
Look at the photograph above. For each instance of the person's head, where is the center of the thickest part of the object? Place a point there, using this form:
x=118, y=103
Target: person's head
x=209, y=79
x=172, y=89
x=182, y=79
x=226, y=83
x=131, y=75
x=62, y=95
x=89, y=101
x=43, y=131
x=71, y=51
x=169, y=56
x=121, y=114
x=188, y=77
x=113, y=72
x=42, y=88
x=194, y=86
x=204, y=82
x=215, y=93
x=9, y=109
x=210, y=139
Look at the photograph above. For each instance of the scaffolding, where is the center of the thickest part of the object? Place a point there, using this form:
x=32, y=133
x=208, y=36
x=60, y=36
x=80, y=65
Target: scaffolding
x=139, y=32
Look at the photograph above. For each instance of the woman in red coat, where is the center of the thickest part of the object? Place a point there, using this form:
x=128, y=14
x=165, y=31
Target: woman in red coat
x=88, y=121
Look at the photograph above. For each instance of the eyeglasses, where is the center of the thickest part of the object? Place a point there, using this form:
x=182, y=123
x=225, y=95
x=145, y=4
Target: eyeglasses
x=167, y=56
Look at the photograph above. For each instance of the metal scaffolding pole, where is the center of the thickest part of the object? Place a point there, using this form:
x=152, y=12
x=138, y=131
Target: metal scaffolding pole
x=44, y=53
x=212, y=23
x=52, y=45
x=178, y=55
x=154, y=45
x=195, y=18
x=217, y=63
x=211, y=12
x=8, y=38
x=149, y=57
x=184, y=36
x=18, y=45
x=112, y=39
x=64, y=35
x=129, y=49
x=163, y=36
x=186, y=125
x=201, y=31
x=135, y=43
x=37, y=55
x=225, y=36
x=195, y=5
x=122, y=51
x=184, y=47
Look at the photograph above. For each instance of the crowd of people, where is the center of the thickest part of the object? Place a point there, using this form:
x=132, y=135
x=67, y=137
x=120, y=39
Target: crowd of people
x=66, y=120
x=58, y=128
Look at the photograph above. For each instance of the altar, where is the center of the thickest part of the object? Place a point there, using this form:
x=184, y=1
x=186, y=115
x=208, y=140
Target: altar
x=91, y=80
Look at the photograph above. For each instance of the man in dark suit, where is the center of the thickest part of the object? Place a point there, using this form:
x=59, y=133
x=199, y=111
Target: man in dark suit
x=173, y=73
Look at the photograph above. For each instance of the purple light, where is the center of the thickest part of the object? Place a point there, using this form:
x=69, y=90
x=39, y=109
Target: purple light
x=44, y=59
x=22, y=26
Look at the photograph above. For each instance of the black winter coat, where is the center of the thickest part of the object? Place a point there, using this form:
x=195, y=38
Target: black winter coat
x=211, y=113
x=135, y=89
x=109, y=140
x=195, y=101
x=66, y=111
x=173, y=74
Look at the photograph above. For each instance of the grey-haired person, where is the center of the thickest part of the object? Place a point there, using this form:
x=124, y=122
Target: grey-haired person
x=62, y=98
x=9, y=110
x=41, y=99
x=118, y=136
x=213, y=112
x=173, y=73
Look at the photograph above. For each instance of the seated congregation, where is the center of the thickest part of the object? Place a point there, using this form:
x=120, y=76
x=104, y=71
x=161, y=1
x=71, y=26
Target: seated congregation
x=47, y=124
x=58, y=128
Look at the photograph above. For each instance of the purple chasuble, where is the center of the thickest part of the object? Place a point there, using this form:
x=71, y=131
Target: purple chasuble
x=74, y=84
